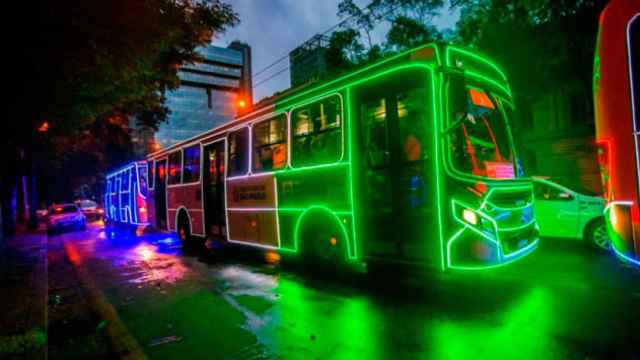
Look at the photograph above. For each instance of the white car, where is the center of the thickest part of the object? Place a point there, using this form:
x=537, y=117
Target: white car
x=90, y=209
x=564, y=213
x=64, y=217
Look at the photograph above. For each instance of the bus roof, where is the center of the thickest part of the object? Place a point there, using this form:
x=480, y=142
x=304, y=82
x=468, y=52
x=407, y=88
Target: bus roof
x=125, y=167
x=435, y=54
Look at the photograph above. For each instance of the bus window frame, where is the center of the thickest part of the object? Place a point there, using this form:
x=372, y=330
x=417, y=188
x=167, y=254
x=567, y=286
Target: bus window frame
x=199, y=165
x=285, y=117
x=343, y=119
x=146, y=172
x=168, y=170
x=248, y=149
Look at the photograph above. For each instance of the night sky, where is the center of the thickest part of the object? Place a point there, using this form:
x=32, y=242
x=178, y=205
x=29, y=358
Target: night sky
x=275, y=27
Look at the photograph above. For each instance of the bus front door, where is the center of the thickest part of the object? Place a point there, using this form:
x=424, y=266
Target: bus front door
x=213, y=190
x=161, y=193
x=396, y=166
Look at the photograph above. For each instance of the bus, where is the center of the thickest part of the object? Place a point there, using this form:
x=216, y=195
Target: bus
x=125, y=198
x=409, y=160
x=616, y=86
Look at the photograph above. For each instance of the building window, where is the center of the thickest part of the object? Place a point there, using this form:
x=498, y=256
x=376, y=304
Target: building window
x=238, y=152
x=191, y=167
x=270, y=144
x=209, y=99
x=317, y=132
x=175, y=168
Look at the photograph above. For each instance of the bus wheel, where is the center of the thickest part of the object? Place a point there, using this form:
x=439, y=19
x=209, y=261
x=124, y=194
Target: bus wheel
x=596, y=234
x=323, y=244
x=184, y=230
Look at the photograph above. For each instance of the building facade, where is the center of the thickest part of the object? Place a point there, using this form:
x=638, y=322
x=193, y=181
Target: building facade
x=205, y=99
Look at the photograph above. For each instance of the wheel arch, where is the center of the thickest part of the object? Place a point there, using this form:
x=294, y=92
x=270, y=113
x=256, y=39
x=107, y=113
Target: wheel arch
x=183, y=210
x=307, y=214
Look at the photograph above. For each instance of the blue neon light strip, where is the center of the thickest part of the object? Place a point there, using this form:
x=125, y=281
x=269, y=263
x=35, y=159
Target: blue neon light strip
x=625, y=257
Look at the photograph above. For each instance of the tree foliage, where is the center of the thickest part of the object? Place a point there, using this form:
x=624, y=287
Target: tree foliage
x=409, y=23
x=406, y=33
x=89, y=58
x=542, y=44
x=76, y=62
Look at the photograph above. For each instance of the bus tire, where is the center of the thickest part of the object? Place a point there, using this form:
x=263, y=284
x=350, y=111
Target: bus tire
x=323, y=241
x=183, y=229
x=595, y=234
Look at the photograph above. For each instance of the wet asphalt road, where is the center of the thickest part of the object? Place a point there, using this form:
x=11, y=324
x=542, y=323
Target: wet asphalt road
x=563, y=301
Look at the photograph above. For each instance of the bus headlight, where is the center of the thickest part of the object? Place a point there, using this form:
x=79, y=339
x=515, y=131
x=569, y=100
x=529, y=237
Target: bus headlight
x=470, y=216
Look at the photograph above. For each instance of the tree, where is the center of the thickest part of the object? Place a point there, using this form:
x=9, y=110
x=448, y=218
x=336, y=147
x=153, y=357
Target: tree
x=542, y=44
x=409, y=26
x=364, y=19
x=406, y=33
x=76, y=61
x=344, y=51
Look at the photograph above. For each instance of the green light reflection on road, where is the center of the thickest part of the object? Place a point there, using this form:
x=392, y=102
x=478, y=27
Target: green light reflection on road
x=524, y=331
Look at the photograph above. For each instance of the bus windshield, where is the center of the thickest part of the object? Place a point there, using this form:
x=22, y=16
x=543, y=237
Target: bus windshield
x=479, y=140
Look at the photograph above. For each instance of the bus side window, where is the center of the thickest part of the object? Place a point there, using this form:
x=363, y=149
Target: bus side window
x=143, y=183
x=238, y=152
x=175, y=168
x=317, y=132
x=270, y=144
x=191, y=164
x=411, y=124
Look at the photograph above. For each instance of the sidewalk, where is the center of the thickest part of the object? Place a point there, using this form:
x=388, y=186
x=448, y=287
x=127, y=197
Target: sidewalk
x=23, y=296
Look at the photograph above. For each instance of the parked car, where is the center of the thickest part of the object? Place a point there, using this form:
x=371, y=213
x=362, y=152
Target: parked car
x=565, y=213
x=90, y=209
x=64, y=217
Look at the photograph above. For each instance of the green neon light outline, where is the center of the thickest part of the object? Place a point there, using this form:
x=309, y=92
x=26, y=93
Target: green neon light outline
x=519, y=227
x=514, y=151
x=487, y=79
x=296, y=231
x=466, y=226
x=290, y=133
x=436, y=162
x=513, y=188
x=464, y=52
x=350, y=137
x=450, y=169
x=455, y=203
x=354, y=74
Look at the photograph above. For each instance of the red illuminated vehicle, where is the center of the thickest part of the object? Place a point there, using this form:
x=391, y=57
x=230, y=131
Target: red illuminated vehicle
x=125, y=198
x=616, y=88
